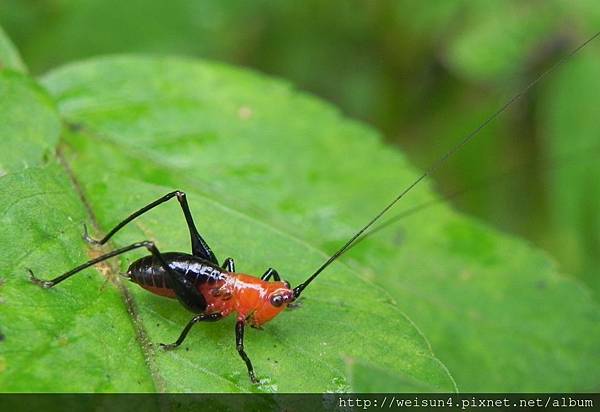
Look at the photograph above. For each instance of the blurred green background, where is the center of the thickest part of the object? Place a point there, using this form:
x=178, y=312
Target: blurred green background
x=423, y=73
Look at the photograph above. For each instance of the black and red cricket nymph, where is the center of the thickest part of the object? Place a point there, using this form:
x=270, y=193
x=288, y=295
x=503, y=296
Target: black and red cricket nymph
x=214, y=291
x=198, y=281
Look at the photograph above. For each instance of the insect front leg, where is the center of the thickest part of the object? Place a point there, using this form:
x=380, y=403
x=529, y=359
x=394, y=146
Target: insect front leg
x=239, y=344
x=271, y=273
x=198, y=318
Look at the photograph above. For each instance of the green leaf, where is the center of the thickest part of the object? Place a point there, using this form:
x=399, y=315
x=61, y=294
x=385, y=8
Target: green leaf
x=365, y=378
x=491, y=305
x=56, y=340
x=85, y=323
x=9, y=57
x=276, y=178
x=25, y=142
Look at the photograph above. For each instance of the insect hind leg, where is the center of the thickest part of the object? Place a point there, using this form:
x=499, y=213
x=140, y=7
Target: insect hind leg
x=46, y=284
x=199, y=246
x=184, y=288
x=198, y=318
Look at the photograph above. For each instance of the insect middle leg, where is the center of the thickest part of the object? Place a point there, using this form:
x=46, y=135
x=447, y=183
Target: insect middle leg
x=199, y=246
x=229, y=265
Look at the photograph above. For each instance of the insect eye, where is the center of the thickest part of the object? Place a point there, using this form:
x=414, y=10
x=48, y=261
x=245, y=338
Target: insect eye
x=276, y=300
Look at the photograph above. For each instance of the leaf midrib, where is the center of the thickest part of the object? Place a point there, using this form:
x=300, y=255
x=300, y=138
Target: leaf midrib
x=128, y=300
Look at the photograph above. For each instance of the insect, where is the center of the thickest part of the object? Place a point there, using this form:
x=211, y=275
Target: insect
x=212, y=289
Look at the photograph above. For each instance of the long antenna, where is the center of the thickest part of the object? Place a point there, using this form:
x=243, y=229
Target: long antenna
x=441, y=161
x=480, y=185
